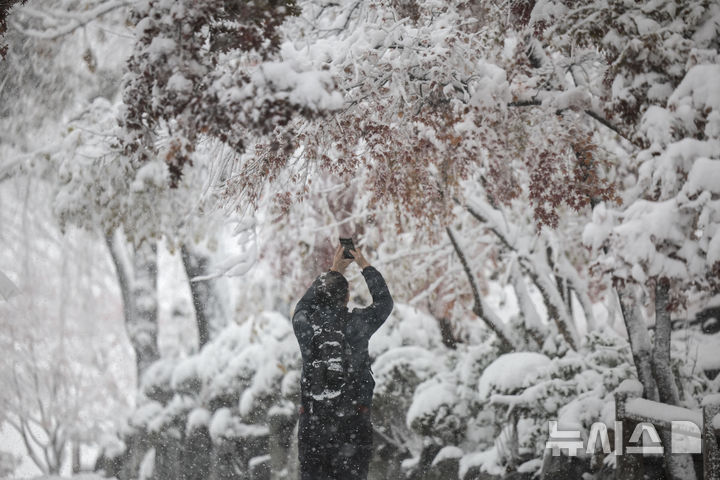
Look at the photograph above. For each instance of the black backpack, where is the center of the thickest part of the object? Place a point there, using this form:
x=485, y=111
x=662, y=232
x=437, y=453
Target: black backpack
x=327, y=367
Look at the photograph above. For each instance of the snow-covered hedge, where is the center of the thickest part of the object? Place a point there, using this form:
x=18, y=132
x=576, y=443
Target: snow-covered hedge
x=468, y=408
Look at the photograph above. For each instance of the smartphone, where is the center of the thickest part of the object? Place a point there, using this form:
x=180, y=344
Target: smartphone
x=347, y=244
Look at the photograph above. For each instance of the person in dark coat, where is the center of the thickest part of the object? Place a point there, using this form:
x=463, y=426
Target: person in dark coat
x=335, y=443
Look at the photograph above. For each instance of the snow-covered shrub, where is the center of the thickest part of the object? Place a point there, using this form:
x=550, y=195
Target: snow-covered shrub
x=487, y=461
x=510, y=373
x=290, y=386
x=436, y=411
x=186, y=377
x=145, y=414
x=174, y=414
x=576, y=389
x=198, y=418
x=243, y=366
x=226, y=426
x=472, y=361
x=398, y=371
x=156, y=382
x=447, y=406
x=221, y=397
x=406, y=326
x=397, y=374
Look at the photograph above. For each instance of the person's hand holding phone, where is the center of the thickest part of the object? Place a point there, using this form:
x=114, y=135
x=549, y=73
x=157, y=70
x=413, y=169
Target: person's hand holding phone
x=340, y=263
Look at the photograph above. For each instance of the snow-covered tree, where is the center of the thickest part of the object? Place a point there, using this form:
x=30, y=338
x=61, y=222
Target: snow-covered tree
x=61, y=334
x=657, y=93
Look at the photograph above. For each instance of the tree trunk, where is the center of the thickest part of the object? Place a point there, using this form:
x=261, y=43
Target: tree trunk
x=534, y=327
x=143, y=327
x=210, y=314
x=137, y=277
x=639, y=339
x=76, y=463
x=677, y=466
x=662, y=367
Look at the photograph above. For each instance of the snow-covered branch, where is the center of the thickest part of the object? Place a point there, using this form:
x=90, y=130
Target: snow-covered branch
x=72, y=21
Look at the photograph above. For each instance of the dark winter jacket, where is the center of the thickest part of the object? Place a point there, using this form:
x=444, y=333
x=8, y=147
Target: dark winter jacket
x=359, y=325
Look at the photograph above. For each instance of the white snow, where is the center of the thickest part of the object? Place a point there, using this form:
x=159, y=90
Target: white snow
x=657, y=124
x=255, y=461
x=531, y=466
x=161, y=46
x=713, y=399
x=704, y=175
x=185, y=374
x=7, y=287
x=152, y=174
x=428, y=399
x=310, y=89
x=225, y=425
x=179, y=83
x=199, y=417
x=147, y=466
x=662, y=411
x=221, y=425
x=448, y=452
x=406, y=325
x=423, y=363
x=581, y=412
x=576, y=98
x=145, y=414
x=703, y=349
x=488, y=461
x=631, y=386
x=699, y=89
x=510, y=372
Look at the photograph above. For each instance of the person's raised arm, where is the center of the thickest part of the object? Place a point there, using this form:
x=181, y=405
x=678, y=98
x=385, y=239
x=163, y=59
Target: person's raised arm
x=376, y=314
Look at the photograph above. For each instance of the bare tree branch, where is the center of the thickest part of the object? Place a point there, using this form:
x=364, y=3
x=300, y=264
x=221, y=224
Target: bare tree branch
x=75, y=21
x=545, y=288
x=478, y=306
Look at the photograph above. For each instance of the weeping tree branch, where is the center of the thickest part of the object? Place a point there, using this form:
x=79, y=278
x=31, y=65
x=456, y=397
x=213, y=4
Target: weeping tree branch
x=75, y=21
x=478, y=306
x=544, y=287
